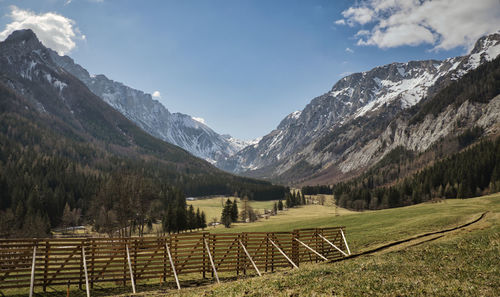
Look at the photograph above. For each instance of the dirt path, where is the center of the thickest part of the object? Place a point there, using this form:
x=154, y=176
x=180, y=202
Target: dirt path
x=420, y=239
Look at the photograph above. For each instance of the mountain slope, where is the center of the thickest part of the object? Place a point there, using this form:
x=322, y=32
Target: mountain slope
x=61, y=144
x=149, y=114
x=39, y=91
x=332, y=131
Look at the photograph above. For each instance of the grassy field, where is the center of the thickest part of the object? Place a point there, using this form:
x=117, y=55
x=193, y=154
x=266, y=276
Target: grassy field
x=461, y=263
x=465, y=263
x=213, y=206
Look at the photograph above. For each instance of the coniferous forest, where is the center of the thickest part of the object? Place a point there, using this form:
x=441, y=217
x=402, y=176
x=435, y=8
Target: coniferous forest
x=469, y=173
x=465, y=174
x=47, y=166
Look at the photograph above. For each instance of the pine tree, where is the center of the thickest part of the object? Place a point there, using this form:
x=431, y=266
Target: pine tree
x=191, y=218
x=234, y=211
x=203, y=221
x=226, y=214
x=280, y=205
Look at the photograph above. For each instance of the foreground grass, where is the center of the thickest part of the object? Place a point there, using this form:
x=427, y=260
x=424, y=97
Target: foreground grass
x=463, y=264
x=372, y=228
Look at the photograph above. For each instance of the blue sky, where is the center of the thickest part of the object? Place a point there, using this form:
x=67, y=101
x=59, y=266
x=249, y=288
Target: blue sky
x=244, y=65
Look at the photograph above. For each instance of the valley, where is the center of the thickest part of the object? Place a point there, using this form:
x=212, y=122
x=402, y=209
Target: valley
x=389, y=135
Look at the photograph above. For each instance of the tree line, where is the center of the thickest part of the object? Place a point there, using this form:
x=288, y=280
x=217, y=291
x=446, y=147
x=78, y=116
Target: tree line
x=469, y=173
x=316, y=190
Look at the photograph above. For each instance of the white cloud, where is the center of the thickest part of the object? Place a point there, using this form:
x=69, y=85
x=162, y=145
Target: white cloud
x=360, y=14
x=340, y=22
x=349, y=50
x=201, y=120
x=362, y=33
x=156, y=94
x=444, y=24
x=54, y=30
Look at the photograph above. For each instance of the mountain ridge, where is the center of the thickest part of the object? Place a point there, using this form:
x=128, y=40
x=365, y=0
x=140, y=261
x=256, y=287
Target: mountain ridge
x=360, y=102
x=153, y=117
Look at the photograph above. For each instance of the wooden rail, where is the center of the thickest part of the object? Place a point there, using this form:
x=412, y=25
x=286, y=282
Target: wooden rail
x=125, y=260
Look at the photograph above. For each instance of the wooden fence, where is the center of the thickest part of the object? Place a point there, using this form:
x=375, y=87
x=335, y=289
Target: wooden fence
x=26, y=263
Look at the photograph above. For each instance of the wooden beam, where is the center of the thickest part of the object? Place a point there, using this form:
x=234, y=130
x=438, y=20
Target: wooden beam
x=345, y=241
x=329, y=242
x=173, y=266
x=211, y=261
x=130, y=269
x=276, y=246
x=85, y=270
x=311, y=249
x=32, y=282
x=248, y=255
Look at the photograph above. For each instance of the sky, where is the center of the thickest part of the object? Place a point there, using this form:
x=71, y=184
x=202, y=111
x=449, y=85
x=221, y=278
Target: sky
x=241, y=66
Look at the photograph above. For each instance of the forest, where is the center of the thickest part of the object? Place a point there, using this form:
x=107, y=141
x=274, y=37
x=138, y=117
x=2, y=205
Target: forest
x=472, y=172
x=46, y=166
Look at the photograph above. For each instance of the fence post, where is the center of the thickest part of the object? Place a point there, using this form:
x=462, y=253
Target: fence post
x=32, y=282
x=204, y=257
x=212, y=262
x=130, y=269
x=272, y=254
x=164, y=258
x=85, y=269
x=173, y=266
x=46, y=266
x=123, y=243
x=345, y=241
x=238, y=237
x=135, y=258
x=267, y=249
x=245, y=241
x=80, y=280
x=295, y=247
x=92, y=263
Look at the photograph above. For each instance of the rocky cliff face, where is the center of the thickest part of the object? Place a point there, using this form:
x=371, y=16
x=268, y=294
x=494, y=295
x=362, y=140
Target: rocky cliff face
x=337, y=129
x=149, y=114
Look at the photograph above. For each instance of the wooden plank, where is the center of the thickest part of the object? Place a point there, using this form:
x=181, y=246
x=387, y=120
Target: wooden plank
x=61, y=267
x=329, y=242
x=211, y=260
x=312, y=250
x=249, y=257
x=86, y=273
x=173, y=266
x=277, y=247
x=345, y=241
x=32, y=283
x=130, y=268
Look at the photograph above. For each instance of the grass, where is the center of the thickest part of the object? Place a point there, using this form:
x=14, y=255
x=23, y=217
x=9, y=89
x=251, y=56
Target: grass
x=463, y=264
x=213, y=206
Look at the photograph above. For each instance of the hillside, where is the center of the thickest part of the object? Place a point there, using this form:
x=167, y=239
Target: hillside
x=60, y=144
x=154, y=118
x=434, y=267
x=364, y=117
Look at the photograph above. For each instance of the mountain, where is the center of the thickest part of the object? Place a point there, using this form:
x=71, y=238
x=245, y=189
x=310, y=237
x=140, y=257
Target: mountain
x=352, y=126
x=64, y=148
x=149, y=114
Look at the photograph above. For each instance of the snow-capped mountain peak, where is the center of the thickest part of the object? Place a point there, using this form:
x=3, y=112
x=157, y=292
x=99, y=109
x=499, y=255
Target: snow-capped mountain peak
x=378, y=95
